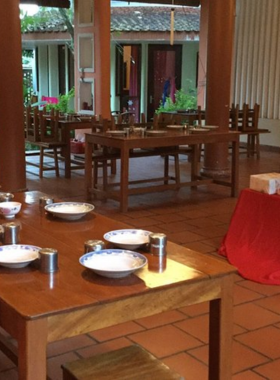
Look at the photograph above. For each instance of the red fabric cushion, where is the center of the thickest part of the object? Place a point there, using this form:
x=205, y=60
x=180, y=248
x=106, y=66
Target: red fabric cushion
x=252, y=243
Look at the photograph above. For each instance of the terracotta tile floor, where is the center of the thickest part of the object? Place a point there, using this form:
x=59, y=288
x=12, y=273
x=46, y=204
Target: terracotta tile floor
x=198, y=220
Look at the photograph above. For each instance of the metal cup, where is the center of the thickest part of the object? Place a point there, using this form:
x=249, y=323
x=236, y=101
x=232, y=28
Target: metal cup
x=44, y=201
x=48, y=260
x=94, y=245
x=6, y=197
x=10, y=233
x=158, y=243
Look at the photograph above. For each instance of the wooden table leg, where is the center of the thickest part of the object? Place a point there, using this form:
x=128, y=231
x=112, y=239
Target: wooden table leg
x=220, y=333
x=88, y=168
x=124, y=179
x=32, y=350
x=235, y=168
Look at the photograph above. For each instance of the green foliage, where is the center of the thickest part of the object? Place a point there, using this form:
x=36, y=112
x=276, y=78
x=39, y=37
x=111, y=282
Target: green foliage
x=183, y=101
x=63, y=104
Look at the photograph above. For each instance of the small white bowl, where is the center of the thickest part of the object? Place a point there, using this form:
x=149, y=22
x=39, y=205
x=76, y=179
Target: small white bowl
x=9, y=209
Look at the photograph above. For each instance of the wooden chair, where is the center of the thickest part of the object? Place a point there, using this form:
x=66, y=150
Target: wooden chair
x=130, y=363
x=42, y=132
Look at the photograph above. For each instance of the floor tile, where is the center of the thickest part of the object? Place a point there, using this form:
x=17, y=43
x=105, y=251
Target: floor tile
x=266, y=290
x=243, y=357
x=265, y=341
x=54, y=364
x=262, y=317
x=116, y=331
x=248, y=375
x=271, y=303
x=187, y=366
x=161, y=319
x=195, y=310
x=164, y=341
x=243, y=295
x=66, y=345
x=111, y=345
x=270, y=370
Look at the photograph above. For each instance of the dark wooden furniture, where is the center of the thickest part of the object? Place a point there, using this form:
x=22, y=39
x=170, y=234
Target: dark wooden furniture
x=41, y=131
x=172, y=139
x=130, y=363
x=38, y=308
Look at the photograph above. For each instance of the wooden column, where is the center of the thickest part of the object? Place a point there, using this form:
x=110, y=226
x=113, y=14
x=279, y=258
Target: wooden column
x=102, y=19
x=219, y=64
x=12, y=152
x=202, y=62
x=93, y=20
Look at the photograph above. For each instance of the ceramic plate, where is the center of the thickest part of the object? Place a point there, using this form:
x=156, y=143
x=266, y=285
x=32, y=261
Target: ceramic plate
x=199, y=130
x=210, y=127
x=69, y=210
x=113, y=263
x=156, y=133
x=128, y=239
x=175, y=126
x=17, y=255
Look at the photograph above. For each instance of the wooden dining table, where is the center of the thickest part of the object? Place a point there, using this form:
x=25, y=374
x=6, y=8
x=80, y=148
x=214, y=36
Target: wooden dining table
x=38, y=308
x=168, y=139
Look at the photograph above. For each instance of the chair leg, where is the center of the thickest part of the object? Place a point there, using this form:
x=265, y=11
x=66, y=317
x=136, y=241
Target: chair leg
x=177, y=169
x=257, y=145
x=41, y=164
x=113, y=166
x=56, y=164
x=166, y=169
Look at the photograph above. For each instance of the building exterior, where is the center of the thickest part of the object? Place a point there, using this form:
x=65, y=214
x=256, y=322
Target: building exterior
x=140, y=43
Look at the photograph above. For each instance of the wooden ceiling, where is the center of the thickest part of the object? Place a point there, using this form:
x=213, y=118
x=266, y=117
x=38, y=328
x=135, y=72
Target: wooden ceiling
x=66, y=3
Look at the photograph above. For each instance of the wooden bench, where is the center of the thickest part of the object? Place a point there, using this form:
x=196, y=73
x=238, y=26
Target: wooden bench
x=128, y=363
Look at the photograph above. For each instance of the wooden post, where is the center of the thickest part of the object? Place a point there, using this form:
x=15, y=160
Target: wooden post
x=12, y=147
x=219, y=63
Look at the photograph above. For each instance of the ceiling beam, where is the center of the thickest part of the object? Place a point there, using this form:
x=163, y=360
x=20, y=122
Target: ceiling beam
x=48, y=3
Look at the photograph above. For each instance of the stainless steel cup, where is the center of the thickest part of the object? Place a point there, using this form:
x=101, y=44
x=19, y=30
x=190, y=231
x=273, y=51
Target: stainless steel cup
x=158, y=243
x=6, y=197
x=44, y=201
x=10, y=233
x=48, y=260
x=94, y=245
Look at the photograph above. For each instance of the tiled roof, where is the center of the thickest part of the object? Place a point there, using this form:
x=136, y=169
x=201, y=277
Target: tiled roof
x=154, y=19
x=131, y=19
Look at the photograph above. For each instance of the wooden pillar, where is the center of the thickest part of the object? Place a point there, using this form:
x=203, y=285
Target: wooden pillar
x=202, y=62
x=102, y=17
x=219, y=64
x=12, y=151
x=92, y=63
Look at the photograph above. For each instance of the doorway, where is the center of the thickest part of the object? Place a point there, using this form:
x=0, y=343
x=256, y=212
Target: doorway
x=128, y=74
x=164, y=74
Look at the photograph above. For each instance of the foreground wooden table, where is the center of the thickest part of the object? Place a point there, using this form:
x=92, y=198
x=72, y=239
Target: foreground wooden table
x=170, y=139
x=37, y=308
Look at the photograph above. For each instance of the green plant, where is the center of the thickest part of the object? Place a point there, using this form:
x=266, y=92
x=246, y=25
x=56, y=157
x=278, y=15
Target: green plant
x=63, y=104
x=183, y=101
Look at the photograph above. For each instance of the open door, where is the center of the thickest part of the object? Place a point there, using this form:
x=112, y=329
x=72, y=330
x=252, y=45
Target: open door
x=164, y=74
x=128, y=73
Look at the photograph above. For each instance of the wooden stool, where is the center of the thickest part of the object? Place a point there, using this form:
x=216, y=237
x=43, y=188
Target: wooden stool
x=128, y=363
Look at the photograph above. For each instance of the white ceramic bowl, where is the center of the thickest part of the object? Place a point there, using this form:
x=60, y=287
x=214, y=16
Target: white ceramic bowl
x=9, y=209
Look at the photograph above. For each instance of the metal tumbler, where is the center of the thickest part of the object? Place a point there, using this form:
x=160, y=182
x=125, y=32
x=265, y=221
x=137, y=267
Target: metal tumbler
x=10, y=233
x=48, y=260
x=44, y=201
x=94, y=245
x=158, y=243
